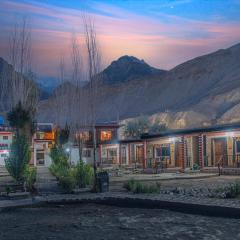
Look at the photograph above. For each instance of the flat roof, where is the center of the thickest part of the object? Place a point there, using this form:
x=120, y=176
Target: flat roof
x=130, y=140
x=173, y=132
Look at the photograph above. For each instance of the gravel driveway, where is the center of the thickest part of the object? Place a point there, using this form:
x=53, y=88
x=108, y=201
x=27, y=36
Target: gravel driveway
x=105, y=222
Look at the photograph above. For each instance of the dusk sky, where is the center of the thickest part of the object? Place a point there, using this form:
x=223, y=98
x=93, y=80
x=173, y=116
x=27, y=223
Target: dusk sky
x=164, y=33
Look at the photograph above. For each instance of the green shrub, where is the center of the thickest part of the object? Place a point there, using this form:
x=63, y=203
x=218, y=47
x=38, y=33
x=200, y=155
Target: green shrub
x=65, y=176
x=67, y=183
x=18, y=159
x=58, y=156
x=138, y=187
x=230, y=191
x=58, y=170
x=233, y=190
x=129, y=185
x=30, y=176
x=84, y=174
x=195, y=166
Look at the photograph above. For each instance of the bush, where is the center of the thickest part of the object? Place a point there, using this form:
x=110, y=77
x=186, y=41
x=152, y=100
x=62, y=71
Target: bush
x=30, y=176
x=67, y=183
x=233, y=190
x=138, y=187
x=195, y=166
x=65, y=176
x=84, y=174
x=58, y=170
x=230, y=191
x=58, y=156
x=129, y=185
x=19, y=158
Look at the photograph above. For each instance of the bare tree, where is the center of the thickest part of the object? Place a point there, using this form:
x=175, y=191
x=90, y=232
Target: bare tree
x=94, y=64
x=23, y=87
x=77, y=75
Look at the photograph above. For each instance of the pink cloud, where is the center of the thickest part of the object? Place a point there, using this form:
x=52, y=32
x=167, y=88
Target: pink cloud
x=162, y=44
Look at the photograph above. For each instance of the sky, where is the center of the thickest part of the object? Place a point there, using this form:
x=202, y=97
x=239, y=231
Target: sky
x=164, y=33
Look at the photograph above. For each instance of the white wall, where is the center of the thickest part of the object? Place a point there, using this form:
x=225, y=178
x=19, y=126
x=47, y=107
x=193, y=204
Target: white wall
x=74, y=156
x=5, y=151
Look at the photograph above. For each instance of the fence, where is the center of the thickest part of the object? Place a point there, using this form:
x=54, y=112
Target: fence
x=223, y=160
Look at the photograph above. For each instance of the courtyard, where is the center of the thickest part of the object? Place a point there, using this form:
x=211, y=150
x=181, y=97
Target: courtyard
x=89, y=221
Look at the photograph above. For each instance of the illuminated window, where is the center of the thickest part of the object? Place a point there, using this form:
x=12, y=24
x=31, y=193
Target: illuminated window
x=83, y=136
x=106, y=135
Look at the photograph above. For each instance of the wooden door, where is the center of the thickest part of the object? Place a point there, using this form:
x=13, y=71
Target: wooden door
x=139, y=154
x=123, y=155
x=179, y=155
x=220, y=145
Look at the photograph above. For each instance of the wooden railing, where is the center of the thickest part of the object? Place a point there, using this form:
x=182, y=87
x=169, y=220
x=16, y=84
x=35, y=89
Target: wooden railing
x=224, y=160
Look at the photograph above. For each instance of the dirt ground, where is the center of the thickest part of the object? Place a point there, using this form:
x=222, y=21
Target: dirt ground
x=105, y=222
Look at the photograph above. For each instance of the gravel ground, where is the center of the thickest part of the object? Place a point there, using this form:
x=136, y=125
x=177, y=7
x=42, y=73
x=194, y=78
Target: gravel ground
x=105, y=222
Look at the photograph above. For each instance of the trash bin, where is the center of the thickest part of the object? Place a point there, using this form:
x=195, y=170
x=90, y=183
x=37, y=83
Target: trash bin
x=103, y=181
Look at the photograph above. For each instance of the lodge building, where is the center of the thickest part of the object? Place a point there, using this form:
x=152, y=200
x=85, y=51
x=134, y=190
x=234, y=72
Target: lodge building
x=202, y=148
x=6, y=136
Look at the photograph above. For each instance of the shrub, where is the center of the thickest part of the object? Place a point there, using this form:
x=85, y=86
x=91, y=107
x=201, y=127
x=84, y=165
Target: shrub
x=230, y=191
x=58, y=156
x=233, y=190
x=58, y=170
x=67, y=183
x=18, y=159
x=138, y=187
x=129, y=185
x=195, y=166
x=84, y=174
x=65, y=176
x=30, y=175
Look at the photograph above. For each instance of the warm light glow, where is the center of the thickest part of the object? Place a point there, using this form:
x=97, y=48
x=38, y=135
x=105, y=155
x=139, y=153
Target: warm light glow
x=83, y=136
x=229, y=134
x=106, y=135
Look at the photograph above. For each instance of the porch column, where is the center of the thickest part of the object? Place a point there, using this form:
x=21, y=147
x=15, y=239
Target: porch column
x=230, y=151
x=100, y=155
x=183, y=153
x=172, y=154
x=144, y=154
x=129, y=154
x=201, y=151
x=119, y=155
x=34, y=155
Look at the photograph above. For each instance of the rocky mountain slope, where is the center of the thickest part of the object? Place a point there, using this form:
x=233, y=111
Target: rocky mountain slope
x=202, y=91
x=14, y=86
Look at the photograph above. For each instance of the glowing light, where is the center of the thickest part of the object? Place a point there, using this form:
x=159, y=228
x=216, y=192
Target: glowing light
x=67, y=150
x=229, y=134
x=173, y=139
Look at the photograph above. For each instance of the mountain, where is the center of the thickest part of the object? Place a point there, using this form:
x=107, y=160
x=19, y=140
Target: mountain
x=127, y=68
x=46, y=85
x=13, y=86
x=202, y=91
x=6, y=71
